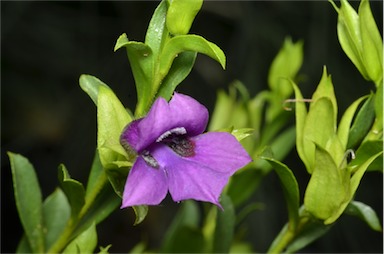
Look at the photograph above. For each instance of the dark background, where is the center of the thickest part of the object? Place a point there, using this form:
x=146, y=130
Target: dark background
x=46, y=46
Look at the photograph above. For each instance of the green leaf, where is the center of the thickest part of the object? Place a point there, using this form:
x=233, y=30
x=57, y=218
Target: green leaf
x=242, y=133
x=181, y=43
x=181, y=67
x=365, y=213
x=372, y=44
x=112, y=118
x=84, y=243
x=28, y=200
x=74, y=191
x=140, y=212
x=328, y=187
x=319, y=126
x=379, y=106
x=23, y=245
x=181, y=14
x=183, y=235
x=362, y=123
x=97, y=178
x=346, y=120
x=57, y=212
x=104, y=250
x=91, y=85
x=225, y=226
x=290, y=189
x=365, y=151
x=280, y=72
x=141, y=60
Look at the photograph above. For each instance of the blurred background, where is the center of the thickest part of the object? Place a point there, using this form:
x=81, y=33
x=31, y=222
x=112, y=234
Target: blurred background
x=45, y=116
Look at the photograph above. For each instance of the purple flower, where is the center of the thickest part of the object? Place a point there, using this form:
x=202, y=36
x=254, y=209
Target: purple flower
x=174, y=155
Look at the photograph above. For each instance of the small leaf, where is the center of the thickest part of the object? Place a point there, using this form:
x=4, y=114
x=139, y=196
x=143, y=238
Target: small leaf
x=140, y=212
x=73, y=189
x=91, y=85
x=141, y=60
x=225, y=226
x=28, y=200
x=365, y=213
x=84, y=243
x=372, y=44
x=181, y=14
x=57, y=212
x=181, y=67
x=362, y=123
x=290, y=189
x=242, y=133
x=328, y=187
x=181, y=43
x=280, y=72
x=104, y=250
x=365, y=151
x=111, y=120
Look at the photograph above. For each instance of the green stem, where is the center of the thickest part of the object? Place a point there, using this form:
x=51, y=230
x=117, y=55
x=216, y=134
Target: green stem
x=73, y=223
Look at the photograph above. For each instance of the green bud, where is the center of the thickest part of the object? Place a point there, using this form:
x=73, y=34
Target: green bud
x=181, y=14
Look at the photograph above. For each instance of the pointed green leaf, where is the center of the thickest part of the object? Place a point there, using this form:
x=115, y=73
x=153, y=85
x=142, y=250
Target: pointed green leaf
x=112, y=118
x=104, y=250
x=319, y=126
x=365, y=213
x=328, y=187
x=362, y=123
x=372, y=44
x=28, y=200
x=73, y=189
x=181, y=14
x=140, y=212
x=91, y=85
x=290, y=189
x=225, y=226
x=181, y=67
x=84, y=243
x=181, y=43
x=57, y=212
x=365, y=151
x=96, y=179
x=280, y=72
x=379, y=106
x=242, y=133
x=346, y=120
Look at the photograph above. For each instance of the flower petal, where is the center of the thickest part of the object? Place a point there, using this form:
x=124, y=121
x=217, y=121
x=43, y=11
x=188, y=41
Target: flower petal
x=202, y=176
x=182, y=111
x=145, y=185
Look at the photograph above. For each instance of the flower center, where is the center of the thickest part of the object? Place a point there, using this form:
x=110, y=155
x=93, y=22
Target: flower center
x=181, y=145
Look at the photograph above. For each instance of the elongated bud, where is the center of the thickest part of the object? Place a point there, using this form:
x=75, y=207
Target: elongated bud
x=181, y=14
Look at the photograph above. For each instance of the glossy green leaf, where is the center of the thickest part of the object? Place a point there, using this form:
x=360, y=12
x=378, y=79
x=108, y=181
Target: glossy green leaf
x=290, y=189
x=84, y=243
x=372, y=44
x=74, y=191
x=112, y=118
x=364, y=152
x=181, y=67
x=346, y=120
x=225, y=226
x=28, y=200
x=365, y=213
x=348, y=31
x=280, y=72
x=319, y=126
x=328, y=187
x=184, y=226
x=157, y=32
x=57, y=212
x=181, y=14
x=91, y=85
x=362, y=123
x=141, y=60
x=181, y=43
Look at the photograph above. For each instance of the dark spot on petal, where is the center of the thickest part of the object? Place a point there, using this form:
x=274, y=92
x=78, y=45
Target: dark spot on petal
x=150, y=160
x=181, y=145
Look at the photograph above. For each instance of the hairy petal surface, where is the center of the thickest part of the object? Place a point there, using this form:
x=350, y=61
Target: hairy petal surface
x=145, y=185
x=182, y=111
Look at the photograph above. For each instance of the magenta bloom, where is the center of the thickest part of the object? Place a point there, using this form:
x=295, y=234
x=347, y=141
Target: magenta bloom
x=174, y=155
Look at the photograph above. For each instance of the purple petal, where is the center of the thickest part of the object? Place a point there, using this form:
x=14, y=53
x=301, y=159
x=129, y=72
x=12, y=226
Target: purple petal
x=182, y=111
x=202, y=176
x=145, y=185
